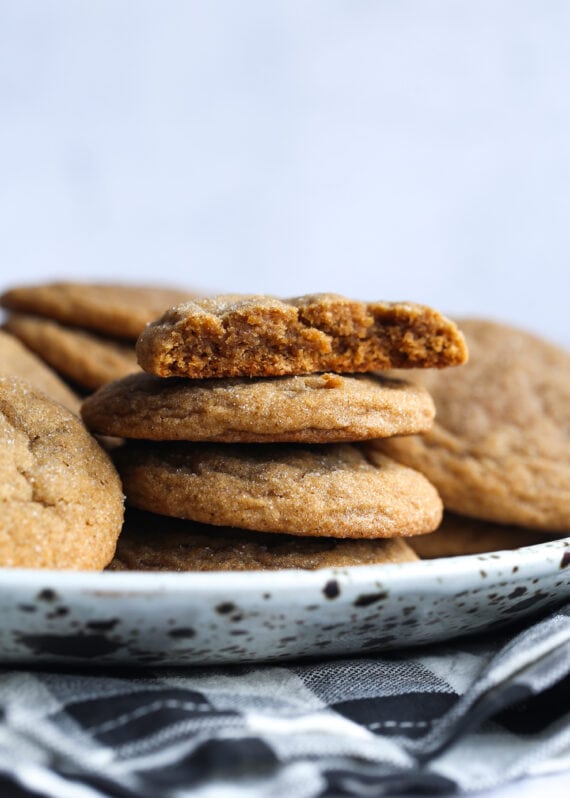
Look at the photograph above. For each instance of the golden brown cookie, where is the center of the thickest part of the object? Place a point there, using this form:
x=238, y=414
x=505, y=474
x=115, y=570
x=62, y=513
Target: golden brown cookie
x=316, y=408
x=500, y=447
x=335, y=490
x=86, y=359
x=151, y=542
x=261, y=336
x=459, y=535
x=61, y=498
x=16, y=360
x=111, y=309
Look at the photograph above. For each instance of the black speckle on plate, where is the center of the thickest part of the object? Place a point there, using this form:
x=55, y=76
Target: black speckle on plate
x=225, y=607
x=366, y=599
x=47, y=594
x=332, y=589
x=182, y=632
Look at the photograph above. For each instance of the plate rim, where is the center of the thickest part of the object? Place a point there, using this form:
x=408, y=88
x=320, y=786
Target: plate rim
x=535, y=556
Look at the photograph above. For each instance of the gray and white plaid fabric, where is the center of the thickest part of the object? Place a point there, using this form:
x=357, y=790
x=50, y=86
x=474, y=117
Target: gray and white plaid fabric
x=454, y=718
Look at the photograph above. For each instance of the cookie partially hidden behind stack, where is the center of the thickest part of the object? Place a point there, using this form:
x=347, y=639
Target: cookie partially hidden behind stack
x=18, y=361
x=86, y=331
x=459, y=535
x=500, y=446
x=265, y=428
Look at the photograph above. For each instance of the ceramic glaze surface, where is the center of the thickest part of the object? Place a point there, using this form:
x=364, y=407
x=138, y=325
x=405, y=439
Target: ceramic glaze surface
x=207, y=618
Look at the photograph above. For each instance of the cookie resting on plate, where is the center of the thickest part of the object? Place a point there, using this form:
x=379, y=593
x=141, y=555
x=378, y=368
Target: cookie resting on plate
x=459, y=535
x=152, y=542
x=500, y=446
x=60, y=495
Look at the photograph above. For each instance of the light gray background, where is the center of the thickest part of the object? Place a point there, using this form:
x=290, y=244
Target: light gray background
x=415, y=149
x=399, y=149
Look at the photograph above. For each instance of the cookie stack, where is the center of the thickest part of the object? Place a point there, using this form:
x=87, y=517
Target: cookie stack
x=255, y=414
x=86, y=332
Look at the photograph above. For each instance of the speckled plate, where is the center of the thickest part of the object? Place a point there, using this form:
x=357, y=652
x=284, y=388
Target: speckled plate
x=204, y=618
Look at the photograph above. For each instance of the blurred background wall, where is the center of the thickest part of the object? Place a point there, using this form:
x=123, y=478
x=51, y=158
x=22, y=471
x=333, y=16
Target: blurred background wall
x=415, y=149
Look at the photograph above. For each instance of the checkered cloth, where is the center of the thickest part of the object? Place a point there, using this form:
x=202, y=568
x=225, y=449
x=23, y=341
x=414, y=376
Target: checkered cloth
x=451, y=718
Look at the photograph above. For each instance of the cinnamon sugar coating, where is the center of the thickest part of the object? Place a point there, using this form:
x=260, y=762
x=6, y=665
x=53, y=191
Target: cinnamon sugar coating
x=60, y=495
x=315, y=408
x=255, y=336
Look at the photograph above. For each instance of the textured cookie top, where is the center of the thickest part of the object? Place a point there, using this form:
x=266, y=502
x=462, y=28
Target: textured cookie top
x=500, y=446
x=315, y=408
x=459, y=535
x=87, y=359
x=60, y=496
x=17, y=361
x=261, y=336
x=121, y=310
x=334, y=490
x=151, y=542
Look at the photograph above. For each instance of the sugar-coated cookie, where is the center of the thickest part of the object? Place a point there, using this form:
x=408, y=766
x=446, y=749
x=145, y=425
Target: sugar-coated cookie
x=16, y=360
x=111, y=309
x=333, y=490
x=61, y=497
x=500, y=447
x=261, y=336
x=152, y=542
x=87, y=359
x=315, y=408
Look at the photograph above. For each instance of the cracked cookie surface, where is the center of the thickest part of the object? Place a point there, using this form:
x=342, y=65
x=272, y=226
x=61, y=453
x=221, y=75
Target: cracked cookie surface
x=499, y=449
x=151, y=542
x=61, y=502
x=334, y=490
x=316, y=408
x=111, y=309
x=259, y=336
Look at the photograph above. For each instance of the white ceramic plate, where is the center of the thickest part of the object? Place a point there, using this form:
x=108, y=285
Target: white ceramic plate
x=204, y=618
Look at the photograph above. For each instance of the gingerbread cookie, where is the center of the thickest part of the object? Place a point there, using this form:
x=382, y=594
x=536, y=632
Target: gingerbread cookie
x=86, y=359
x=315, y=408
x=334, y=490
x=500, y=447
x=261, y=336
x=17, y=361
x=459, y=535
x=111, y=309
x=62, y=502
x=151, y=542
